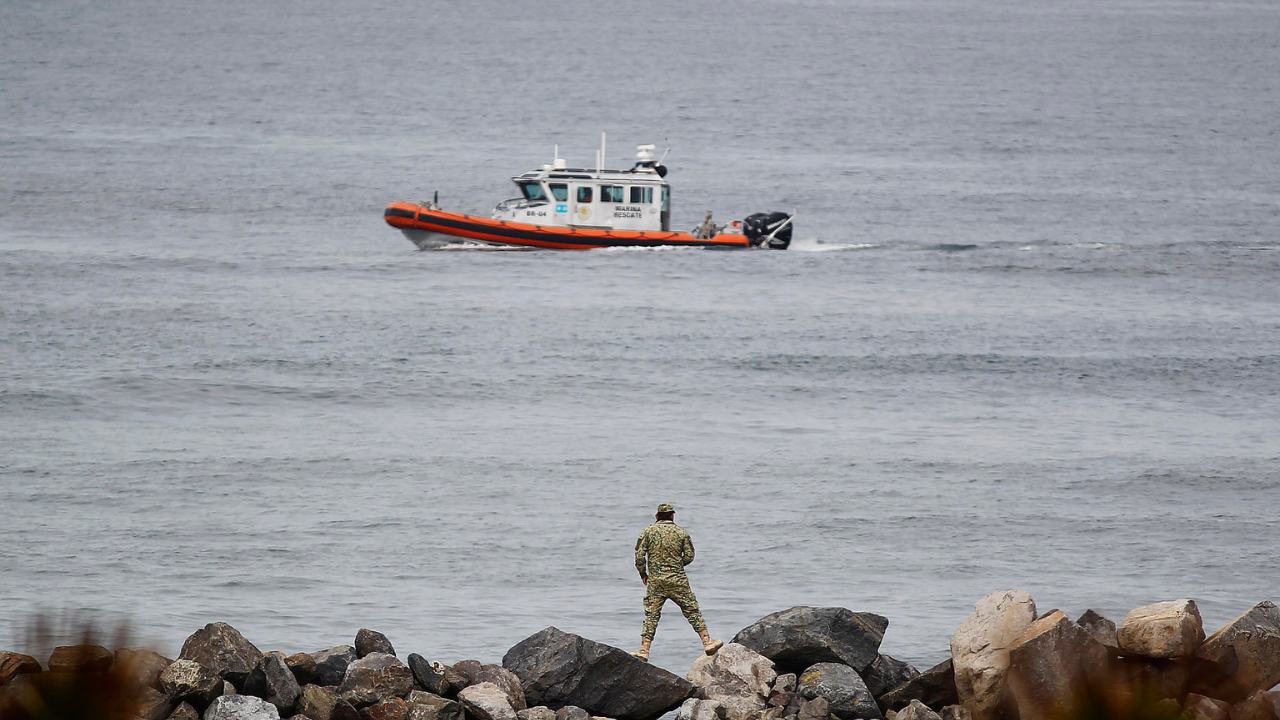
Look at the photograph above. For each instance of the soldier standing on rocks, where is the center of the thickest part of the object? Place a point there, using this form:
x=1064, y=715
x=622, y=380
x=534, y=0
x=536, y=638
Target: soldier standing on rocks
x=668, y=549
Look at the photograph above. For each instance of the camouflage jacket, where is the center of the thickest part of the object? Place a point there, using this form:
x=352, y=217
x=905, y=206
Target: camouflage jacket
x=668, y=548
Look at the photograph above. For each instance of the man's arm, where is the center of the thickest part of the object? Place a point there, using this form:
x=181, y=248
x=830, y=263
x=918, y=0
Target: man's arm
x=641, y=548
x=686, y=552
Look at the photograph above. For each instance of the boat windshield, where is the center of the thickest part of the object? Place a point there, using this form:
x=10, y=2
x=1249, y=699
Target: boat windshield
x=532, y=191
x=561, y=191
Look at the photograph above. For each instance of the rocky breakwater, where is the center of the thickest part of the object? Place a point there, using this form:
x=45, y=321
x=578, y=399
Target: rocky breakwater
x=1007, y=662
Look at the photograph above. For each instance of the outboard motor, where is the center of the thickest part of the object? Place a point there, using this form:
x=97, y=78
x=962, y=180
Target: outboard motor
x=771, y=230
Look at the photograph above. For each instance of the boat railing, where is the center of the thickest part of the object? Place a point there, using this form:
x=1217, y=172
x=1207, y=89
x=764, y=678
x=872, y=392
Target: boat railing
x=519, y=203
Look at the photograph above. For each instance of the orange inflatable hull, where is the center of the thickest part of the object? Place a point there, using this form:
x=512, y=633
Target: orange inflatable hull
x=410, y=218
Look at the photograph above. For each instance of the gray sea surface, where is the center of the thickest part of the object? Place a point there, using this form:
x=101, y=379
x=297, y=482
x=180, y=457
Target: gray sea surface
x=1028, y=334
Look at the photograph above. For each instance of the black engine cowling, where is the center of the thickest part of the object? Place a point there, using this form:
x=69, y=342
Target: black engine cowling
x=760, y=226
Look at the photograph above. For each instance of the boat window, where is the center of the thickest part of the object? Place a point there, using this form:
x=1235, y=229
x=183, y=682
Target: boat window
x=641, y=194
x=666, y=198
x=560, y=191
x=584, y=193
x=611, y=193
x=532, y=191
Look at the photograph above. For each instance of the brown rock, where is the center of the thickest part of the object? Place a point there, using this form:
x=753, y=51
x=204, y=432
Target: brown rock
x=816, y=709
x=1262, y=705
x=467, y=669
x=322, y=703
x=371, y=641
x=916, y=710
x=76, y=658
x=429, y=706
x=506, y=680
x=540, y=712
x=1243, y=657
x=429, y=676
x=1162, y=630
x=1102, y=629
x=14, y=664
x=955, y=712
x=393, y=709
x=222, y=649
x=184, y=711
x=189, y=681
x=1052, y=664
x=152, y=705
x=980, y=652
x=374, y=678
x=487, y=701
x=142, y=666
x=935, y=687
x=1199, y=707
x=304, y=669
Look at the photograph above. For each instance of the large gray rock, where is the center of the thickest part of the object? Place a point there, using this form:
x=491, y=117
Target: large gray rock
x=916, y=710
x=374, y=678
x=1051, y=666
x=1101, y=628
x=429, y=706
x=189, y=681
x=486, y=701
x=141, y=666
x=1243, y=657
x=241, y=707
x=842, y=687
x=698, y=709
x=935, y=687
x=734, y=670
x=75, y=658
x=803, y=636
x=507, y=681
x=1162, y=630
x=371, y=641
x=14, y=664
x=272, y=681
x=886, y=674
x=222, y=649
x=323, y=703
x=427, y=675
x=331, y=664
x=558, y=668
x=980, y=652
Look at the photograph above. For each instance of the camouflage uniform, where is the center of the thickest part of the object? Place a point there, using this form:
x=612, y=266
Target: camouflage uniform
x=669, y=549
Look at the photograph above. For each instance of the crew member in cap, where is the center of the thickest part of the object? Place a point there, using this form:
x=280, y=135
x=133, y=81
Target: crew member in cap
x=662, y=551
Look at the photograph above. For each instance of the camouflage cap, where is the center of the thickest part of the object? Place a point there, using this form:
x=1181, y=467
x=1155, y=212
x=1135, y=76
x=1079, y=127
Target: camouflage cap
x=666, y=507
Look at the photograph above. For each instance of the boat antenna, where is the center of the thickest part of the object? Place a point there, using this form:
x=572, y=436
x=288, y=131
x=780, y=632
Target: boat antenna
x=664, y=155
x=600, y=165
x=556, y=153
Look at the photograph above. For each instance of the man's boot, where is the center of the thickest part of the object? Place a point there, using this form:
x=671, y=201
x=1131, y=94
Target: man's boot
x=709, y=645
x=643, y=652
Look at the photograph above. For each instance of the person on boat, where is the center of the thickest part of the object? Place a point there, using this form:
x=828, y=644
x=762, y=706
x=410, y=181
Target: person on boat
x=662, y=551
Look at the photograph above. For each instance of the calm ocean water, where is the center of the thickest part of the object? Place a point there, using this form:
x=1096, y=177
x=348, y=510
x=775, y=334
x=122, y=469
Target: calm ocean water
x=1028, y=335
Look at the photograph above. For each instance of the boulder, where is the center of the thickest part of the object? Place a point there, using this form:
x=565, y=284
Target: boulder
x=374, y=678
x=331, y=664
x=486, y=701
x=818, y=708
x=427, y=676
x=222, y=649
x=572, y=712
x=1262, y=705
x=538, y=712
x=272, y=681
x=1098, y=626
x=241, y=707
x=323, y=703
x=1243, y=657
x=785, y=683
x=184, y=711
x=980, y=652
x=1052, y=665
x=141, y=666
x=842, y=687
x=80, y=658
x=1154, y=679
x=304, y=669
x=935, y=687
x=14, y=664
x=467, y=669
x=507, y=681
x=955, y=712
x=189, y=681
x=429, y=706
x=916, y=710
x=392, y=709
x=228, y=688
x=1162, y=630
x=151, y=704
x=697, y=709
x=558, y=668
x=734, y=670
x=803, y=636
x=885, y=674
x=1200, y=707
x=371, y=641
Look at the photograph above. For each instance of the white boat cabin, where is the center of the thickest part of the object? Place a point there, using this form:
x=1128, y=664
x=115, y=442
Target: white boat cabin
x=635, y=199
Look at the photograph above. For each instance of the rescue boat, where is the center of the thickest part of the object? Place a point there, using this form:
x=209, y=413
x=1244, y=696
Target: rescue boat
x=568, y=208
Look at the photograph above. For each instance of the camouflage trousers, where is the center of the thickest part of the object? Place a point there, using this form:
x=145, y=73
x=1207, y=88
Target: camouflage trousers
x=662, y=590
